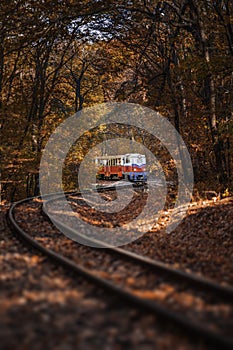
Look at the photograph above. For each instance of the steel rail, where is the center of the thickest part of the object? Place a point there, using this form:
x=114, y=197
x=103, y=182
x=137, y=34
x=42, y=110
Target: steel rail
x=193, y=328
x=195, y=280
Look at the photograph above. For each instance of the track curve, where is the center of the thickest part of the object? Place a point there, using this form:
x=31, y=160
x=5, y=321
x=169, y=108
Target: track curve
x=145, y=304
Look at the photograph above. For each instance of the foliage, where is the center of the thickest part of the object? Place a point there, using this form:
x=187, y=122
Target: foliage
x=57, y=57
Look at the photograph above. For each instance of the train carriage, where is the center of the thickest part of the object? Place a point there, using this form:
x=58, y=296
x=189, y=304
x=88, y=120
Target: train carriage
x=130, y=166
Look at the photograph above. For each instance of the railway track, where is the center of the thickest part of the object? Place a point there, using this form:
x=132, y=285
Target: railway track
x=205, y=289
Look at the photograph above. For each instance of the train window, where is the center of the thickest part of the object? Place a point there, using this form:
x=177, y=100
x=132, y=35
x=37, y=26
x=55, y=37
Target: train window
x=127, y=160
x=139, y=160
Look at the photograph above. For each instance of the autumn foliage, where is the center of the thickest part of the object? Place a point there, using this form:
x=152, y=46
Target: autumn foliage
x=57, y=57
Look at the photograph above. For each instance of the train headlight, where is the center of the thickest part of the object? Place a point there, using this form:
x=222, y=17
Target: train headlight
x=135, y=170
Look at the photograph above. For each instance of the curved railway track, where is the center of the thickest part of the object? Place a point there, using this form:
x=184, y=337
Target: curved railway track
x=223, y=293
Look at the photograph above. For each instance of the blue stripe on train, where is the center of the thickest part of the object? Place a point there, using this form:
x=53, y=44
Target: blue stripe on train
x=139, y=176
x=139, y=166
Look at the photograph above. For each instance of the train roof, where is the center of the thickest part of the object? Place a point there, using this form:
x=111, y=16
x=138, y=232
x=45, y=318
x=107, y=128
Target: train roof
x=120, y=156
x=111, y=157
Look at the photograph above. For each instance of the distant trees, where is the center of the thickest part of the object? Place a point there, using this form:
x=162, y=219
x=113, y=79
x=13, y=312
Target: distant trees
x=57, y=57
x=37, y=46
x=184, y=61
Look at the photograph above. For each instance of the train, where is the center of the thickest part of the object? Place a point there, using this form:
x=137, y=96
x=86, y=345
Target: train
x=130, y=166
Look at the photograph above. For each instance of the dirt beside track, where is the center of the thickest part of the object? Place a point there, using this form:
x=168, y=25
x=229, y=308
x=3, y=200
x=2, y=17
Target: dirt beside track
x=202, y=243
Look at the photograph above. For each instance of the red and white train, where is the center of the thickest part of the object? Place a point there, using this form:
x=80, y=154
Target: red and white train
x=131, y=166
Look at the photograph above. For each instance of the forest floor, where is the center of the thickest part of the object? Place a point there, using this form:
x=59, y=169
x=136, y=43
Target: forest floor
x=45, y=306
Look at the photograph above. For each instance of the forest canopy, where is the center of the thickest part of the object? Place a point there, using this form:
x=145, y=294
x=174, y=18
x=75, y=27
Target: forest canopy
x=60, y=56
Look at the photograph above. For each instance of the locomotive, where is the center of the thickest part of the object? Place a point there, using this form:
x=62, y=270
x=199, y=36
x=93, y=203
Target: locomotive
x=131, y=166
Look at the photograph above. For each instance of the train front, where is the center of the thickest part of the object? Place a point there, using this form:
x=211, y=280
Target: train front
x=135, y=168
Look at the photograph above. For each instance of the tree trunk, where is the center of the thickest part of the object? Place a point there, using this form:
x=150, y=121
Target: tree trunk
x=210, y=95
